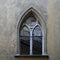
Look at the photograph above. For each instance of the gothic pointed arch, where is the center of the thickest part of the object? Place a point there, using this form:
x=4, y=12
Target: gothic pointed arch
x=29, y=20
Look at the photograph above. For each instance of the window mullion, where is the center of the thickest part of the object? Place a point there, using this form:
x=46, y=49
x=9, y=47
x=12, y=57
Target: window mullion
x=31, y=43
x=43, y=44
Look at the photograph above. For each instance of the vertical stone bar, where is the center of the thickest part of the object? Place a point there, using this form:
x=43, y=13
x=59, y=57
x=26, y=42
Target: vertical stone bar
x=43, y=43
x=18, y=46
x=30, y=41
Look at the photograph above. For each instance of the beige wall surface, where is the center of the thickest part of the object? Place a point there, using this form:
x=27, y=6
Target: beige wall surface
x=54, y=29
x=12, y=10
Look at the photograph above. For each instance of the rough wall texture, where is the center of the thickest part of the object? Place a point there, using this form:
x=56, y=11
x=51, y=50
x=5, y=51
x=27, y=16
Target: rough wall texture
x=11, y=10
x=54, y=29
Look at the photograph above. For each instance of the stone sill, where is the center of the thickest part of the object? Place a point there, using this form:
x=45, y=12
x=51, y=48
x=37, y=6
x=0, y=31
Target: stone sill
x=44, y=56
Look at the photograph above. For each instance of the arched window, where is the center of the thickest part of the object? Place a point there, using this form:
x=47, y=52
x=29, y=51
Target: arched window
x=37, y=40
x=32, y=34
x=24, y=40
x=30, y=37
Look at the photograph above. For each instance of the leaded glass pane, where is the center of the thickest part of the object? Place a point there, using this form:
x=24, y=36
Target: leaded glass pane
x=24, y=41
x=31, y=21
x=37, y=41
x=30, y=37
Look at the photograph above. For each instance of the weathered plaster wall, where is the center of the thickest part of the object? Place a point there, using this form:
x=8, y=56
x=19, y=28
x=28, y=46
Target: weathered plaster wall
x=7, y=31
x=54, y=29
x=11, y=10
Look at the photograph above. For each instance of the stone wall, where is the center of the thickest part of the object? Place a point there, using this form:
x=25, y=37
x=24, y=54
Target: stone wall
x=10, y=13
x=54, y=29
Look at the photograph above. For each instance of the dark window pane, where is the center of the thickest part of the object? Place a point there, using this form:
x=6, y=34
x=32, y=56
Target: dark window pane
x=37, y=45
x=37, y=40
x=24, y=45
x=24, y=41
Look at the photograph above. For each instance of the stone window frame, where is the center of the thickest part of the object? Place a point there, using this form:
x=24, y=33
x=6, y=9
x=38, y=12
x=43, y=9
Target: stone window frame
x=44, y=30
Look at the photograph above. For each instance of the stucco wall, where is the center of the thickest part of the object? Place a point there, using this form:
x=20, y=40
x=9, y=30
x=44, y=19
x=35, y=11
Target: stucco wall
x=12, y=10
x=54, y=29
